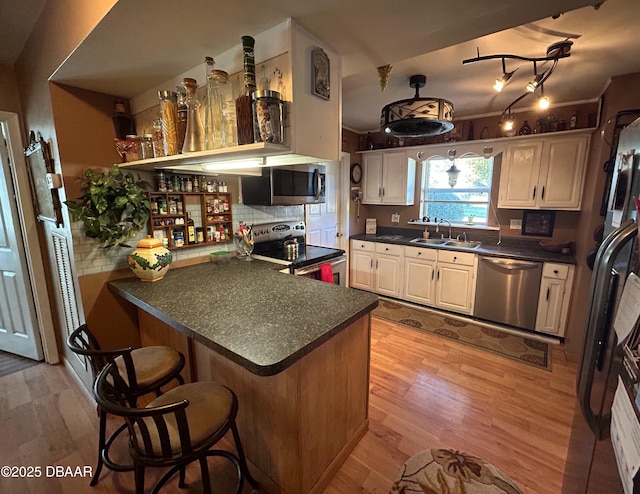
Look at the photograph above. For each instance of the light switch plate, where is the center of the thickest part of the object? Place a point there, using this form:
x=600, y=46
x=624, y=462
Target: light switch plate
x=515, y=224
x=395, y=218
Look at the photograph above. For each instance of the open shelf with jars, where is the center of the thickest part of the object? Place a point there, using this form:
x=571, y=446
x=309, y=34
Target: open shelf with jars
x=191, y=219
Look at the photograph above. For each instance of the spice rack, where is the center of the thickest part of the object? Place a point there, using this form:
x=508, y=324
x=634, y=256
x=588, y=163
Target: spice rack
x=210, y=212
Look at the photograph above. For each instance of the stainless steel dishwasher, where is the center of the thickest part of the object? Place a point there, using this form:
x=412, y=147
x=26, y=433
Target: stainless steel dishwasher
x=507, y=291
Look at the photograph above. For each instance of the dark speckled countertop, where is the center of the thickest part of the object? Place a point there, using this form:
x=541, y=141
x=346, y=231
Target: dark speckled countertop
x=509, y=247
x=249, y=312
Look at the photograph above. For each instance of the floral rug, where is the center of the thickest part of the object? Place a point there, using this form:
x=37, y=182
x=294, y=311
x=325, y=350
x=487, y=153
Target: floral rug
x=446, y=471
x=516, y=347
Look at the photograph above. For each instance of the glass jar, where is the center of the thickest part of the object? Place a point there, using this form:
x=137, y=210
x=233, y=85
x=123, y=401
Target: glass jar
x=267, y=117
x=213, y=127
x=158, y=141
x=230, y=125
x=133, y=148
x=146, y=146
x=169, y=119
x=194, y=134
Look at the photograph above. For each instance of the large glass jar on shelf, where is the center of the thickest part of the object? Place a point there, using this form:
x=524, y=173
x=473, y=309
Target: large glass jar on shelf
x=216, y=90
x=169, y=121
x=194, y=134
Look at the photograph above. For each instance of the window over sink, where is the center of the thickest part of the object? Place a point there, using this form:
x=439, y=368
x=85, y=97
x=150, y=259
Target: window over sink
x=465, y=202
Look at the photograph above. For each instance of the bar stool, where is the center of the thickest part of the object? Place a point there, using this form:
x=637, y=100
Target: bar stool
x=175, y=429
x=145, y=370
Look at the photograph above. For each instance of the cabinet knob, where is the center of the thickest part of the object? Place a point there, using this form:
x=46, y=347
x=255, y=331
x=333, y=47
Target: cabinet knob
x=419, y=253
x=455, y=257
x=555, y=271
x=386, y=248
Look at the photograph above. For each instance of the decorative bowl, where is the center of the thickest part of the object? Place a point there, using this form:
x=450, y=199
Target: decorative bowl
x=150, y=261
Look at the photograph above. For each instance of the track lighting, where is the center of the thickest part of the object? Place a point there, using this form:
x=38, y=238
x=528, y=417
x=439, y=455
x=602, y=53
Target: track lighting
x=506, y=76
x=555, y=51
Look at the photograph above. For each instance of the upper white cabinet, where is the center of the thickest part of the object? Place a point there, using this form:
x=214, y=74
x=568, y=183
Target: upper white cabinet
x=312, y=126
x=543, y=173
x=388, y=178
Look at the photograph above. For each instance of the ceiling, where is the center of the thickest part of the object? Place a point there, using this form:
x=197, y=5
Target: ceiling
x=414, y=37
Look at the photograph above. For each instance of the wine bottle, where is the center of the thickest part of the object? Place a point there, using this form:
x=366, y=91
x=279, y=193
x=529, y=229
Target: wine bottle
x=123, y=123
x=191, y=230
x=244, y=114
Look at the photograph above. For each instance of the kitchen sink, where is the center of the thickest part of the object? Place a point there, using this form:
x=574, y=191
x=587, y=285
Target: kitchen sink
x=469, y=244
x=432, y=241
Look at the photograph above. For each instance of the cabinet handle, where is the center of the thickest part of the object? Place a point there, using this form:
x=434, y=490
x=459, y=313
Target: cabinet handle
x=542, y=197
x=555, y=271
x=432, y=274
x=371, y=266
x=534, y=192
x=419, y=253
x=376, y=264
x=438, y=275
x=548, y=293
x=382, y=191
x=379, y=191
x=386, y=248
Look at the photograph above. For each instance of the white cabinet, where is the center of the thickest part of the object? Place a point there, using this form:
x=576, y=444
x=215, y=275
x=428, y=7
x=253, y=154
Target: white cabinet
x=543, y=173
x=553, y=302
x=388, y=178
x=362, y=258
x=377, y=267
x=420, y=280
x=456, y=281
x=440, y=278
x=389, y=269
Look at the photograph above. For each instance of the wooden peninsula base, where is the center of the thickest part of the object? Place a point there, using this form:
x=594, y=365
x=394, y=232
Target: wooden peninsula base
x=297, y=426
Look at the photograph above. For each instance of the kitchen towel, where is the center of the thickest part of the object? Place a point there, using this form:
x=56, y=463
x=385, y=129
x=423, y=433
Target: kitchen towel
x=326, y=274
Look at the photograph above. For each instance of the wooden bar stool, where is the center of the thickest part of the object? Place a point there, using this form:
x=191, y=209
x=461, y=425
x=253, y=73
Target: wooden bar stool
x=145, y=370
x=175, y=429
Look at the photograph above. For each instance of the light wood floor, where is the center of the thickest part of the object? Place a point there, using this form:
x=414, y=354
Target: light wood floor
x=426, y=391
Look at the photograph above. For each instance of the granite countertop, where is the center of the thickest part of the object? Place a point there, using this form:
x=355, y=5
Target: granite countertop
x=514, y=249
x=249, y=312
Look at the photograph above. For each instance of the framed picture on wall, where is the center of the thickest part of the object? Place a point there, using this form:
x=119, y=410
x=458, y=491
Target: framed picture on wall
x=538, y=223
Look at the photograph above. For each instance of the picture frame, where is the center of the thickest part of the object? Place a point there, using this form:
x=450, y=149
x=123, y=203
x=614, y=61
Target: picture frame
x=320, y=73
x=46, y=200
x=538, y=223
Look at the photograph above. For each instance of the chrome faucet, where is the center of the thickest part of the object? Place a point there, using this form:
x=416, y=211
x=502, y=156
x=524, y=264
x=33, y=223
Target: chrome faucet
x=463, y=235
x=440, y=223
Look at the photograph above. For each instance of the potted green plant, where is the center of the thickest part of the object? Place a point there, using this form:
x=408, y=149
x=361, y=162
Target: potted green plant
x=113, y=207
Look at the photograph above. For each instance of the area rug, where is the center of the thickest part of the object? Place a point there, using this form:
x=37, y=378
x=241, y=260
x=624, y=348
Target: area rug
x=10, y=363
x=513, y=346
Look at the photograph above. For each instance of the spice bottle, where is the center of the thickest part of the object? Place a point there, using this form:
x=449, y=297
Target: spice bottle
x=244, y=115
x=169, y=118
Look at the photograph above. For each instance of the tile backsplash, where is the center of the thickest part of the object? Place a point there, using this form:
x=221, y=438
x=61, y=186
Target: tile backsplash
x=90, y=258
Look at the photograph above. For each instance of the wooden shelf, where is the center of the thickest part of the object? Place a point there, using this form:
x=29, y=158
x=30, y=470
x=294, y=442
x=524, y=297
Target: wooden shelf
x=210, y=211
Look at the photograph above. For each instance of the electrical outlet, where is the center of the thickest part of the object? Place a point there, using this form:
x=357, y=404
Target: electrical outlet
x=395, y=218
x=515, y=224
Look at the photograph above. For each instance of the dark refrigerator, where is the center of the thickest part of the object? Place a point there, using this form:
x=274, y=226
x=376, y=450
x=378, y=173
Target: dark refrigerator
x=591, y=464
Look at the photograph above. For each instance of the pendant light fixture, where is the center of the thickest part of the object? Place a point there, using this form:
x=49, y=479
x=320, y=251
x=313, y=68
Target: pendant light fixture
x=417, y=117
x=453, y=170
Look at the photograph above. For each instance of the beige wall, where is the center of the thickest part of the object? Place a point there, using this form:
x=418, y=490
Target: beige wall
x=9, y=99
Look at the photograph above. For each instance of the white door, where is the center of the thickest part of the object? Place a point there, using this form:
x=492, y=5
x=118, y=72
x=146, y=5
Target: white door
x=19, y=332
x=324, y=221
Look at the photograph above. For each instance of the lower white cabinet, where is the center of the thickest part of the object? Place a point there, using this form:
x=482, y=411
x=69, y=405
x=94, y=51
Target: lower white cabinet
x=553, y=302
x=376, y=267
x=361, y=261
x=456, y=281
x=439, y=278
x=420, y=275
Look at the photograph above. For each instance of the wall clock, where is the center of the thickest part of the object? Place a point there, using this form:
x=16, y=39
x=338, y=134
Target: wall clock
x=356, y=173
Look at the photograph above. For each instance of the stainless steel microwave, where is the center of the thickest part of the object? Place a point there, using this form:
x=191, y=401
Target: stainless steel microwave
x=286, y=185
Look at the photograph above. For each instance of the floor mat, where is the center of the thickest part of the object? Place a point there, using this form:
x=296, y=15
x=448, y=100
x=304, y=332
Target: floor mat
x=10, y=363
x=516, y=347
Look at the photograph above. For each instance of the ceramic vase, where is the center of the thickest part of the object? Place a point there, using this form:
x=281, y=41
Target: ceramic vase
x=150, y=261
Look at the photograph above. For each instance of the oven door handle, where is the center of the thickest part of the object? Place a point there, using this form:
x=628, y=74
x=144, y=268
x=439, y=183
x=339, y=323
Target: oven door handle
x=316, y=267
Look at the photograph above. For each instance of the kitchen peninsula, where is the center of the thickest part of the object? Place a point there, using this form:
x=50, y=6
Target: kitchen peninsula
x=295, y=351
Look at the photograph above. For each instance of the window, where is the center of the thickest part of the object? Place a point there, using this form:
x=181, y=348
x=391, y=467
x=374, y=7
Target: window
x=466, y=201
